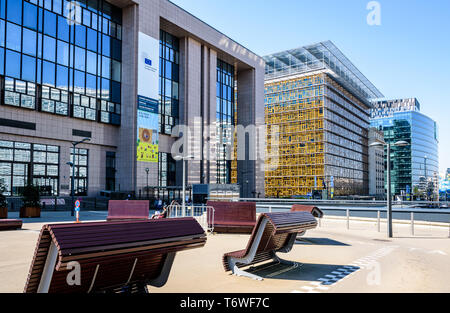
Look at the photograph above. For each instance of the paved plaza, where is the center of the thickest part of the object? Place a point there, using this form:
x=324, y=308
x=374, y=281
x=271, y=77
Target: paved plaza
x=329, y=259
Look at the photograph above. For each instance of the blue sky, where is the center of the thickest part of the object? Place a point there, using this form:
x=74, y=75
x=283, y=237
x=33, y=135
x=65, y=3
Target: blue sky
x=408, y=55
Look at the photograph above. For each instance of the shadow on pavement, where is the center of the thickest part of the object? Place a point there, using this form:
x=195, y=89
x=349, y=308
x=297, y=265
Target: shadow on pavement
x=327, y=274
x=62, y=217
x=320, y=242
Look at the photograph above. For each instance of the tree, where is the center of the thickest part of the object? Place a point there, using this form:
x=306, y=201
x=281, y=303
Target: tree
x=31, y=196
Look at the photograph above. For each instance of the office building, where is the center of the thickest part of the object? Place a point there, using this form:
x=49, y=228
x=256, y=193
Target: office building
x=317, y=106
x=376, y=164
x=412, y=165
x=123, y=73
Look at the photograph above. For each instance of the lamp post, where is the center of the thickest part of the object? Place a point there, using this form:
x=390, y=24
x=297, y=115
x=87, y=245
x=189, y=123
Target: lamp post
x=74, y=144
x=389, y=185
x=147, y=170
x=181, y=158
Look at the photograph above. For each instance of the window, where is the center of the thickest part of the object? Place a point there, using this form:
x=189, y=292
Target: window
x=13, y=37
x=29, y=15
x=225, y=119
x=14, y=12
x=44, y=48
x=110, y=171
x=49, y=23
x=29, y=42
x=169, y=82
x=28, y=68
x=19, y=161
x=12, y=64
x=167, y=170
x=81, y=171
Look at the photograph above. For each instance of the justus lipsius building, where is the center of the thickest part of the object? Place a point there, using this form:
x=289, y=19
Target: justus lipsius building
x=122, y=73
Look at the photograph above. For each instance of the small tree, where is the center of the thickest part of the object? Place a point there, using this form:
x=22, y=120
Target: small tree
x=31, y=196
x=3, y=203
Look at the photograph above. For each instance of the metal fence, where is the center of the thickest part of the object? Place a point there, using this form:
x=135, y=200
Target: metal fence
x=406, y=215
x=203, y=214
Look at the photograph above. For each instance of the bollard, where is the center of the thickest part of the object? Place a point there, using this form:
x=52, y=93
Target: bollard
x=412, y=223
x=379, y=221
x=270, y=209
x=320, y=222
x=348, y=219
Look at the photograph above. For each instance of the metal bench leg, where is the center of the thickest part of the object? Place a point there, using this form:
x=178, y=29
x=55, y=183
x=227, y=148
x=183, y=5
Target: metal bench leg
x=276, y=258
x=238, y=272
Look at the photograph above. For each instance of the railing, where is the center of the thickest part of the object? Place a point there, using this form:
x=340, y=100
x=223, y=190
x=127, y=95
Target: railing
x=203, y=214
x=374, y=203
x=346, y=212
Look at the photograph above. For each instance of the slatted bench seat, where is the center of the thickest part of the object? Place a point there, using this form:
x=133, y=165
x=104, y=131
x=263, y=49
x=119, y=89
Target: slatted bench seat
x=123, y=256
x=233, y=217
x=10, y=224
x=315, y=211
x=119, y=210
x=274, y=232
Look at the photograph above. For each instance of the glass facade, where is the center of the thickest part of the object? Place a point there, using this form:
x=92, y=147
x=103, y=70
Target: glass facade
x=81, y=171
x=322, y=138
x=59, y=65
x=225, y=119
x=167, y=170
x=110, y=171
x=169, y=74
x=418, y=160
x=21, y=161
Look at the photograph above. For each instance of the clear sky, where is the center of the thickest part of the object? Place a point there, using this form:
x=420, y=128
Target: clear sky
x=408, y=55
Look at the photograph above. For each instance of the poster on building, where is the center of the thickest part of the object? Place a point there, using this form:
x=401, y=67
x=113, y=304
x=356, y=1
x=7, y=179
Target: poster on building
x=147, y=106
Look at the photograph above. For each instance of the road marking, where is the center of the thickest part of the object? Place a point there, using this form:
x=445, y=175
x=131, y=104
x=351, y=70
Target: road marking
x=437, y=252
x=345, y=271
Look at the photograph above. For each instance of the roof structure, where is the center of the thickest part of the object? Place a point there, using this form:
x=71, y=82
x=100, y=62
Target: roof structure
x=319, y=57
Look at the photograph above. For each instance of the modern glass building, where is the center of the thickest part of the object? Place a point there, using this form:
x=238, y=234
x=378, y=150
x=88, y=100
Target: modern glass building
x=124, y=74
x=317, y=106
x=405, y=123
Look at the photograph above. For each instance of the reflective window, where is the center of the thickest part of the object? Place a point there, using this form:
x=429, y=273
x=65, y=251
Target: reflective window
x=45, y=48
x=225, y=119
x=12, y=64
x=29, y=42
x=49, y=23
x=169, y=83
x=14, y=11
x=29, y=15
x=81, y=171
x=28, y=68
x=13, y=36
x=17, y=159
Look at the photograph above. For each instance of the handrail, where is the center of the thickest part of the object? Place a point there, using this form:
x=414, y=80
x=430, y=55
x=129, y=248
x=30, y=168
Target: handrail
x=337, y=201
x=347, y=211
x=204, y=214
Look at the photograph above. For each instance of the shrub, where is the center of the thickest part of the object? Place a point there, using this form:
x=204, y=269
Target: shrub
x=3, y=203
x=31, y=196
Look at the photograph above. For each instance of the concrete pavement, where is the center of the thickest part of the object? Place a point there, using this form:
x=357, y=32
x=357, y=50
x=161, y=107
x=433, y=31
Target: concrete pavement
x=331, y=259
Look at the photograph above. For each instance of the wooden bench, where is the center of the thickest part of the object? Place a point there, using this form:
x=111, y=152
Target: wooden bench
x=315, y=211
x=233, y=217
x=119, y=210
x=10, y=224
x=274, y=232
x=113, y=257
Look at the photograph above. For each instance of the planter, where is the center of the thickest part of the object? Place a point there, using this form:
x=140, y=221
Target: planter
x=30, y=212
x=4, y=213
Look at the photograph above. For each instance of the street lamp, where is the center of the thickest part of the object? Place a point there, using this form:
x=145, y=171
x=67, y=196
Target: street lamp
x=389, y=197
x=147, y=170
x=181, y=158
x=74, y=144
